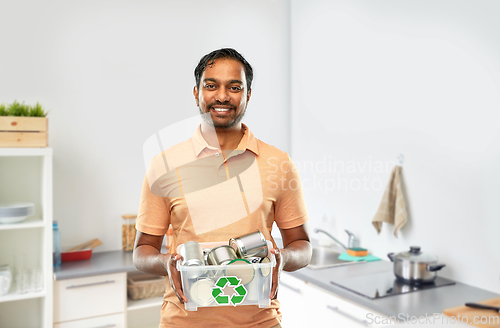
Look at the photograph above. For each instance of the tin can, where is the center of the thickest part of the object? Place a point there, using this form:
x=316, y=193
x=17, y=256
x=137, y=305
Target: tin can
x=192, y=256
x=206, y=251
x=265, y=270
x=252, y=245
x=253, y=259
x=221, y=255
x=242, y=269
x=201, y=292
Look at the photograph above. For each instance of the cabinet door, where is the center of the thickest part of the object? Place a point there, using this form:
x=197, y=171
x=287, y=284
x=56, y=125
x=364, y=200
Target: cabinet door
x=89, y=297
x=291, y=295
x=109, y=321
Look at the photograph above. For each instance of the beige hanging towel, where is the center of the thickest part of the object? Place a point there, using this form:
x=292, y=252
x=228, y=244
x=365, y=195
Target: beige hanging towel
x=392, y=209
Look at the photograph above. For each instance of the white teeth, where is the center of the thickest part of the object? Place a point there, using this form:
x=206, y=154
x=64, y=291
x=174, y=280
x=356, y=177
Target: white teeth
x=221, y=109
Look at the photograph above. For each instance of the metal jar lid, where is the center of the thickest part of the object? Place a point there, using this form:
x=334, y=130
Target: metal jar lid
x=221, y=255
x=242, y=269
x=201, y=292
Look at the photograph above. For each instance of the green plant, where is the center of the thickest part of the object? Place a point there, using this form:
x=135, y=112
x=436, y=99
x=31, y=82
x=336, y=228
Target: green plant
x=37, y=110
x=3, y=110
x=17, y=109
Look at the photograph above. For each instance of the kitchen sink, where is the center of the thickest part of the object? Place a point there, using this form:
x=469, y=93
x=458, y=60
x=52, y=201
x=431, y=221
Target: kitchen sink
x=326, y=257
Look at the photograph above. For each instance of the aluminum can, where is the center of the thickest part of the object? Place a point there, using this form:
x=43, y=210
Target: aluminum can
x=251, y=245
x=192, y=255
x=221, y=255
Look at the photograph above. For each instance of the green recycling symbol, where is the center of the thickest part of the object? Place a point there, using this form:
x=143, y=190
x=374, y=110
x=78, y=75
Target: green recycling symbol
x=239, y=291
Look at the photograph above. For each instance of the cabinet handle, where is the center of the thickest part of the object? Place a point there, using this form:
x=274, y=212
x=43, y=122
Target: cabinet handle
x=91, y=284
x=347, y=315
x=107, y=326
x=293, y=289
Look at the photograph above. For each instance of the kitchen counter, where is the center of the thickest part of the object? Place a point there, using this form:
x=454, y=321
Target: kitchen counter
x=419, y=303
x=99, y=263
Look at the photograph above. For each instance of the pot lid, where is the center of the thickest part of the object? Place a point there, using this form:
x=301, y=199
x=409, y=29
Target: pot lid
x=415, y=255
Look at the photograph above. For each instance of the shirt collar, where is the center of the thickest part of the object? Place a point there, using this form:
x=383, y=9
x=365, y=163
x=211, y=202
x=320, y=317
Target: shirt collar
x=248, y=141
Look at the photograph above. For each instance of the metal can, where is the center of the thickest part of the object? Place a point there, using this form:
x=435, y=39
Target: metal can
x=252, y=245
x=221, y=255
x=192, y=255
x=201, y=292
x=253, y=259
x=242, y=269
x=206, y=251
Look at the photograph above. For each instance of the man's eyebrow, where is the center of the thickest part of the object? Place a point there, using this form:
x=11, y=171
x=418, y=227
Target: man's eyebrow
x=210, y=79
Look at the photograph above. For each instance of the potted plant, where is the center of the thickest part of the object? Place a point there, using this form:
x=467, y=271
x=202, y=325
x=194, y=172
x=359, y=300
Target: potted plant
x=22, y=125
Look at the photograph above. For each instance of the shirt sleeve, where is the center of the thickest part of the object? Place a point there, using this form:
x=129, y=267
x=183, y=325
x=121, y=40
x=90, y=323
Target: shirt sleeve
x=290, y=207
x=154, y=215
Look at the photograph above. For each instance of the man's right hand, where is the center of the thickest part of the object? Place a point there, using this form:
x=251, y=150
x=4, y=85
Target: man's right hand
x=148, y=258
x=174, y=277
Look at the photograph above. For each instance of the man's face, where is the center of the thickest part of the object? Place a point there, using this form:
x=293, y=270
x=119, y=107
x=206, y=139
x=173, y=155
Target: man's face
x=223, y=93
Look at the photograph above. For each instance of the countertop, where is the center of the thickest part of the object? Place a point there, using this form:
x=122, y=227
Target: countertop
x=421, y=303
x=99, y=263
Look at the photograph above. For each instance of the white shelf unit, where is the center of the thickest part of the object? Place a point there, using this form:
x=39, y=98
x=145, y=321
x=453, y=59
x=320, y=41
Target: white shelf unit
x=26, y=176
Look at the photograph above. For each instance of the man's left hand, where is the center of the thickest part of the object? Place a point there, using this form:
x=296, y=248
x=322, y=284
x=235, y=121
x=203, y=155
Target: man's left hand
x=280, y=263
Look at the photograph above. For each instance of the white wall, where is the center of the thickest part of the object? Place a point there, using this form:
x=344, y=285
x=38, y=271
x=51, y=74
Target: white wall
x=113, y=73
x=373, y=79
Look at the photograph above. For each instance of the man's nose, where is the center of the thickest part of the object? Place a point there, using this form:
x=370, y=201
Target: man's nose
x=222, y=95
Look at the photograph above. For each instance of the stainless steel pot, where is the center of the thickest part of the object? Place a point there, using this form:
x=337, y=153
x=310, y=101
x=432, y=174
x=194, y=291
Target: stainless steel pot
x=415, y=267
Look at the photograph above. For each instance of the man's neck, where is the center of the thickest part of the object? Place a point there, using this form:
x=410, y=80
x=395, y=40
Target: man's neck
x=228, y=139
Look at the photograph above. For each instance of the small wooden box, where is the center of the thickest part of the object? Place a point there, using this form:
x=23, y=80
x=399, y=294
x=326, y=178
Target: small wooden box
x=20, y=131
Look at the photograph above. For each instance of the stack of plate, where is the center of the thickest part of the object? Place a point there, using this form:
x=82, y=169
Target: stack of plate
x=17, y=212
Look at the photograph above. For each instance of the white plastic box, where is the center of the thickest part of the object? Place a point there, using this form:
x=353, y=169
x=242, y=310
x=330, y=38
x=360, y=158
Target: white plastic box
x=223, y=285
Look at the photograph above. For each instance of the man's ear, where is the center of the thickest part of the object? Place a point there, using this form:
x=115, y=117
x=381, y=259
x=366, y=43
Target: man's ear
x=249, y=93
x=195, y=93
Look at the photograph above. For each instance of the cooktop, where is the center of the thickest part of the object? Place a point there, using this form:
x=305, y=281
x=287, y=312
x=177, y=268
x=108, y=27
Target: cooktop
x=385, y=284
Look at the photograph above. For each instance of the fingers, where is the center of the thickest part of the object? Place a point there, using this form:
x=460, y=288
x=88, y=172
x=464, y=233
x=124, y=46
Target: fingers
x=174, y=277
x=276, y=274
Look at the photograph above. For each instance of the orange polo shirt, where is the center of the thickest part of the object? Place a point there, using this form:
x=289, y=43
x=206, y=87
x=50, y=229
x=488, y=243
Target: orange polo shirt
x=211, y=196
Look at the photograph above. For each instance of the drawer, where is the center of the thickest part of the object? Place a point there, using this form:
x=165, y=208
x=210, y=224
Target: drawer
x=351, y=314
x=108, y=321
x=90, y=297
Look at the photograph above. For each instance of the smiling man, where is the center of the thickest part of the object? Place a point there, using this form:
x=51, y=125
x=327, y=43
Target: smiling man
x=224, y=91
x=221, y=183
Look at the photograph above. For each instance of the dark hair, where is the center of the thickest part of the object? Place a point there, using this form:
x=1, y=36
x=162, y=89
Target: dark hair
x=209, y=59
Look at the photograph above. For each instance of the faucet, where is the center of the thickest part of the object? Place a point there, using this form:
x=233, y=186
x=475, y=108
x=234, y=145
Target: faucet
x=326, y=233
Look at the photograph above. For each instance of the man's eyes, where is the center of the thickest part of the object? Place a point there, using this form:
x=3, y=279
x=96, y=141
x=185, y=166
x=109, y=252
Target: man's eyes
x=232, y=88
